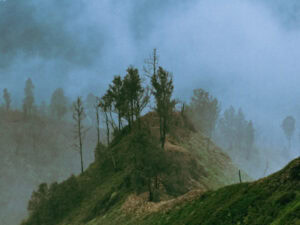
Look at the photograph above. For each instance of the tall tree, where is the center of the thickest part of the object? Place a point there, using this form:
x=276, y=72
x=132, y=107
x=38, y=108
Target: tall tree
x=137, y=97
x=79, y=116
x=97, y=112
x=7, y=99
x=249, y=138
x=288, y=126
x=162, y=89
x=58, y=105
x=28, y=102
x=117, y=94
x=204, y=110
x=151, y=64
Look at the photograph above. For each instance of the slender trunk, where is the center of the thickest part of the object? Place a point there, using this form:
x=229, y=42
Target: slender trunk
x=150, y=190
x=240, y=176
x=156, y=182
x=119, y=120
x=98, y=126
x=113, y=160
x=80, y=144
x=107, y=128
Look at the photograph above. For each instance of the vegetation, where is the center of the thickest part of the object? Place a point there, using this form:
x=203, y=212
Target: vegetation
x=78, y=116
x=288, y=127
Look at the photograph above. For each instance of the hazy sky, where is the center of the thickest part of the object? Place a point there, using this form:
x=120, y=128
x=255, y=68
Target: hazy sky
x=244, y=52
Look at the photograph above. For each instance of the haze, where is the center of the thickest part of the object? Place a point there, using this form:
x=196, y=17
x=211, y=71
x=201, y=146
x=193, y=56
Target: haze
x=245, y=53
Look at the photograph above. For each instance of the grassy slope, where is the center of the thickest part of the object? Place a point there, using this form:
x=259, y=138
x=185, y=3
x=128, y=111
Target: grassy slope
x=273, y=200
x=104, y=191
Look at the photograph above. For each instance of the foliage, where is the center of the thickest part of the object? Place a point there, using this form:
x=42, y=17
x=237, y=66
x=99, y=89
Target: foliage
x=162, y=89
x=49, y=205
x=288, y=127
x=7, y=99
x=235, y=132
x=58, y=105
x=28, y=102
x=204, y=111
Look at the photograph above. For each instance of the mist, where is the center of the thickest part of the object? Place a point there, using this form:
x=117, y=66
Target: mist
x=245, y=53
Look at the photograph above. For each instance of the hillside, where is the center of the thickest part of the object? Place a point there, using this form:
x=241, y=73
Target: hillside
x=271, y=200
x=102, y=190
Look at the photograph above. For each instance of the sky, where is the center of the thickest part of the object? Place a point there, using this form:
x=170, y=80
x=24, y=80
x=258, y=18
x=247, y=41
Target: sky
x=246, y=53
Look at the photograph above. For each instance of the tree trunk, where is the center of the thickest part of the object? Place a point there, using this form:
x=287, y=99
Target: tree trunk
x=98, y=126
x=80, y=144
x=150, y=190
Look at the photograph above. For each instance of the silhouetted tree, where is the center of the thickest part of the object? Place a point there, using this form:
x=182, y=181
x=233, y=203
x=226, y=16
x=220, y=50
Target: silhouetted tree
x=28, y=102
x=7, y=99
x=151, y=64
x=58, y=105
x=162, y=89
x=79, y=116
x=288, y=127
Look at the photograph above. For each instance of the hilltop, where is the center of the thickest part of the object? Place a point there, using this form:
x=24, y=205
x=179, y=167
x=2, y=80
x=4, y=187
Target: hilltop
x=109, y=186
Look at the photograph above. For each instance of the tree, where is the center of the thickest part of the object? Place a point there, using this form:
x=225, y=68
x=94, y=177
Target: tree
x=288, y=127
x=58, y=105
x=151, y=64
x=79, y=116
x=162, y=89
x=149, y=161
x=117, y=94
x=249, y=138
x=93, y=112
x=204, y=110
x=136, y=97
x=105, y=105
x=235, y=132
x=43, y=109
x=28, y=102
x=7, y=99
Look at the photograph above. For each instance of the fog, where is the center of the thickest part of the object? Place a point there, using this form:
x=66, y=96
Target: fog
x=246, y=53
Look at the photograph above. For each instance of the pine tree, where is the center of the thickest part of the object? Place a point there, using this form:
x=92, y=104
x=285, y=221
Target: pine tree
x=7, y=99
x=162, y=89
x=58, y=105
x=28, y=102
x=79, y=116
x=288, y=127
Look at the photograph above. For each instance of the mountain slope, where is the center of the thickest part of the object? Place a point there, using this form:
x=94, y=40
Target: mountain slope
x=103, y=189
x=272, y=200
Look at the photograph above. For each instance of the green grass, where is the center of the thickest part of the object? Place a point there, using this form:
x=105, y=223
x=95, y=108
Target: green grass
x=274, y=200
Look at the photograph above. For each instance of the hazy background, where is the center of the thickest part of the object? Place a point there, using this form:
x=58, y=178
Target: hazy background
x=246, y=53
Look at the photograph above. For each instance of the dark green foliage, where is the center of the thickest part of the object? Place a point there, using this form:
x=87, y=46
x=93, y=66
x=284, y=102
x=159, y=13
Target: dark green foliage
x=49, y=205
x=286, y=198
x=274, y=200
x=150, y=161
x=162, y=89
